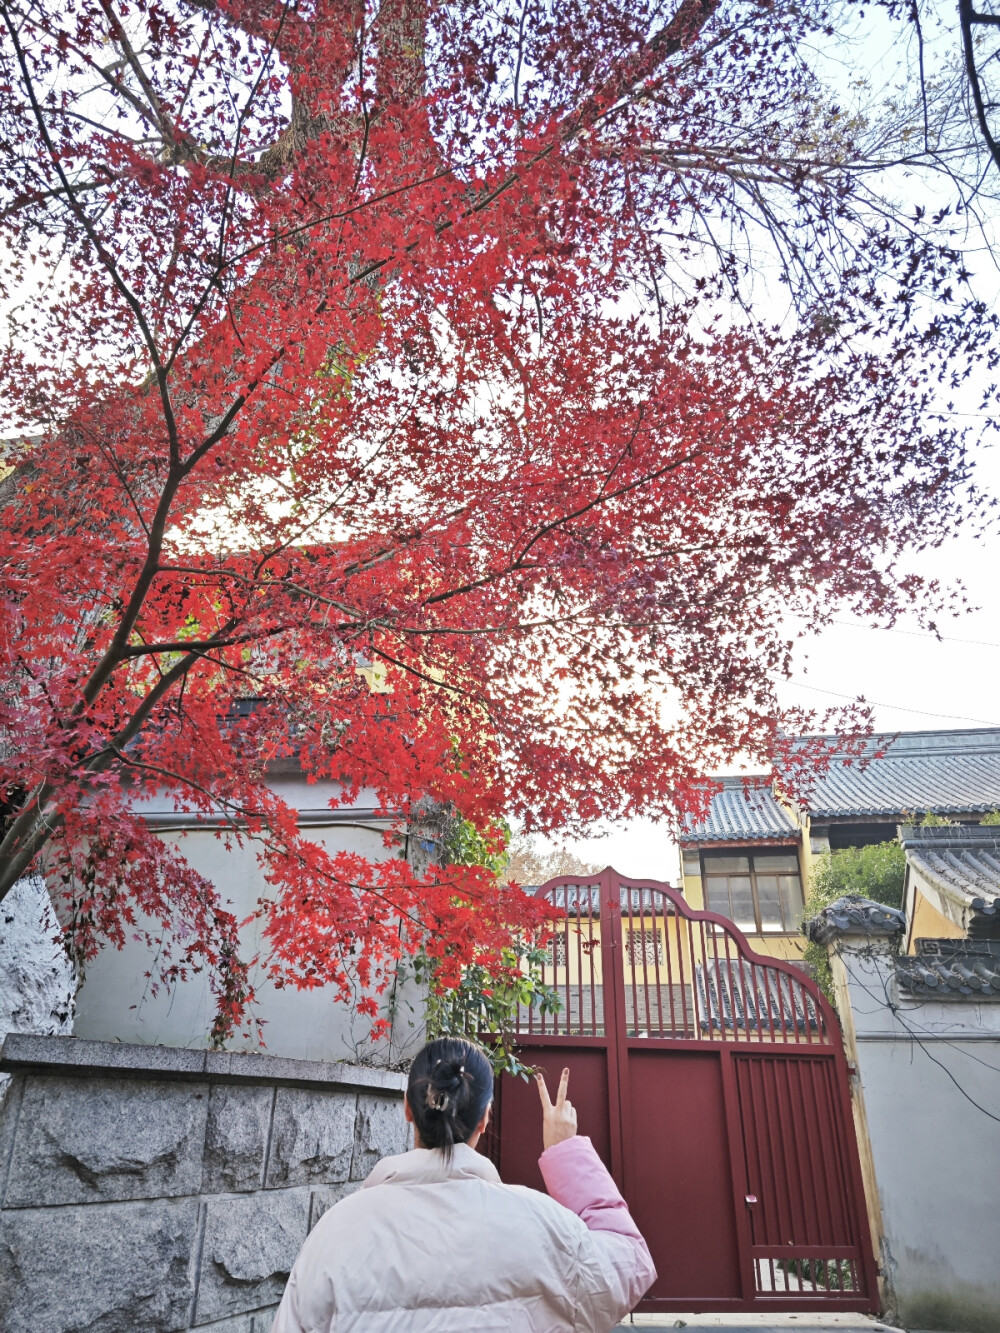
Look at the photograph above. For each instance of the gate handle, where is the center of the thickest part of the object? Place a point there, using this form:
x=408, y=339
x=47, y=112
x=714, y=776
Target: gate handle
x=751, y=1200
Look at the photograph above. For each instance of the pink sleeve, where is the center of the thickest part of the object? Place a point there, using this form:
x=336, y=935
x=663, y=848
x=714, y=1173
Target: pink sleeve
x=576, y=1177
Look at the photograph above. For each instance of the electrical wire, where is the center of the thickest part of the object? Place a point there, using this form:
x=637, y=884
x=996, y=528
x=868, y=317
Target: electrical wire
x=911, y=633
x=921, y=712
x=895, y=1011
x=915, y=633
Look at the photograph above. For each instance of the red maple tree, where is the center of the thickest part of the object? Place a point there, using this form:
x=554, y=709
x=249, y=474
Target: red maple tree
x=401, y=336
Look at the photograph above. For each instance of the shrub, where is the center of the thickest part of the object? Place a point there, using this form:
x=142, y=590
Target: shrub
x=875, y=872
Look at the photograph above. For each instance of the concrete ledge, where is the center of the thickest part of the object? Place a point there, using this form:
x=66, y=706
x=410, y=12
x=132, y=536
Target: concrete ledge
x=70, y=1055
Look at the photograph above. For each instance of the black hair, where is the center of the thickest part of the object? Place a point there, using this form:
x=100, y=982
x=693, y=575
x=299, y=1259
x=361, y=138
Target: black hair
x=450, y=1087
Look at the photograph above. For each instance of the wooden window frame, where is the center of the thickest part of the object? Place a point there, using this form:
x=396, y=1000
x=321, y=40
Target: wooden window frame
x=749, y=853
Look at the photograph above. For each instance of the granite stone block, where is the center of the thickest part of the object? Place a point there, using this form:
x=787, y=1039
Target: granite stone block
x=119, y=1268
x=242, y=1065
x=312, y=1137
x=250, y=1246
x=236, y=1138
x=380, y=1131
x=85, y=1139
x=242, y=1323
x=11, y=1092
x=325, y=1196
x=25, y=1050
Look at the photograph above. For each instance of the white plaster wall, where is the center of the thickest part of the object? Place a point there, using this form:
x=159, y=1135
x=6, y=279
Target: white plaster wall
x=936, y=1154
x=36, y=978
x=115, y=1003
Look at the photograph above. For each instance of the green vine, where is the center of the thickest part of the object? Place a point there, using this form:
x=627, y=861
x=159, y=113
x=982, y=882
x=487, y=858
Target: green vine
x=876, y=872
x=485, y=1004
x=486, y=1008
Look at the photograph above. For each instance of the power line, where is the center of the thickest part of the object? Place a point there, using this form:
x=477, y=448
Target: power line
x=897, y=1014
x=899, y=708
x=911, y=633
x=915, y=633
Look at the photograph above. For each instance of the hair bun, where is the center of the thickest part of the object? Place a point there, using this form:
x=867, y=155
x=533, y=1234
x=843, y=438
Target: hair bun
x=448, y=1090
x=447, y=1075
x=443, y=1084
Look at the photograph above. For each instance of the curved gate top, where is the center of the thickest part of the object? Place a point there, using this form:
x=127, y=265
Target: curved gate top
x=713, y=1082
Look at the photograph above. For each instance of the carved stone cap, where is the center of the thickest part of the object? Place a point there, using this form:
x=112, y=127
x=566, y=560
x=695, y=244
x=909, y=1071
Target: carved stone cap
x=854, y=915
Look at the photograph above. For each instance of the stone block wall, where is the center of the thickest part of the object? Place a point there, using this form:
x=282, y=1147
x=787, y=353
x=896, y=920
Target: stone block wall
x=150, y=1188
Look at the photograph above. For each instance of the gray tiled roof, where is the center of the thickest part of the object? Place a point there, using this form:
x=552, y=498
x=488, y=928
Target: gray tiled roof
x=733, y=994
x=952, y=969
x=946, y=772
x=744, y=814
x=964, y=862
x=854, y=915
x=585, y=898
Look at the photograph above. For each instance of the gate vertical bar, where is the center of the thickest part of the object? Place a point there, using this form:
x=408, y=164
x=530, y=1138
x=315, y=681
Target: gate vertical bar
x=613, y=967
x=840, y=1095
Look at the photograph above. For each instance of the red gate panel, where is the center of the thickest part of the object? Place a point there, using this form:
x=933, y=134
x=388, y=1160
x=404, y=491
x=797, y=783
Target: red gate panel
x=714, y=1085
x=518, y=1106
x=803, y=1232
x=684, y=1199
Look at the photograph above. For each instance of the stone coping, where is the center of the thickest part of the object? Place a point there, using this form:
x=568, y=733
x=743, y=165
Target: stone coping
x=73, y=1055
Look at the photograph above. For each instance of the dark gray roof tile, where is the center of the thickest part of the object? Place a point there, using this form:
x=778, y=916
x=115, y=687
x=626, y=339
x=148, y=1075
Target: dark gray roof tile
x=952, y=969
x=742, y=813
x=962, y=861
x=945, y=772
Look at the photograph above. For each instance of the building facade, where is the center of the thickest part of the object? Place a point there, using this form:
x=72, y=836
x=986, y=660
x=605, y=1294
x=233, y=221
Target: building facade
x=751, y=859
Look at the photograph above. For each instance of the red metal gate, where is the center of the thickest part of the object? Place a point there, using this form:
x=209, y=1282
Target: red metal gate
x=713, y=1083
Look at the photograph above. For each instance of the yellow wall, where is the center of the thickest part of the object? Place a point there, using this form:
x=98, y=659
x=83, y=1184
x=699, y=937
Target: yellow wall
x=693, y=891
x=671, y=966
x=927, y=923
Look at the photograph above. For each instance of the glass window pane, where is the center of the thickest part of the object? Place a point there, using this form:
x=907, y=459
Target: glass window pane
x=741, y=897
x=717, y=895
x=717, y=864
x=790, y=888
x=787, y=862
x=769, y=902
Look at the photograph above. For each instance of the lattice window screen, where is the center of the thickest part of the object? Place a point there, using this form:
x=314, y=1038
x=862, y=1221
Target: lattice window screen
x=644, y=946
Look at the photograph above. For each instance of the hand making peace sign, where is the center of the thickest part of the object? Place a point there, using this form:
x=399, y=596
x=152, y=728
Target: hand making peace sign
x=558, y=1121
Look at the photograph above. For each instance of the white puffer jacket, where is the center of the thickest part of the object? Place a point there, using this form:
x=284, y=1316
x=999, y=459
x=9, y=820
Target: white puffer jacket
x=425, y=1249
